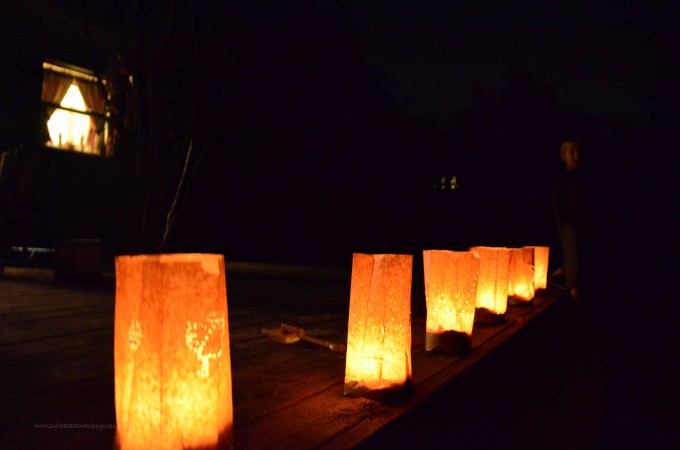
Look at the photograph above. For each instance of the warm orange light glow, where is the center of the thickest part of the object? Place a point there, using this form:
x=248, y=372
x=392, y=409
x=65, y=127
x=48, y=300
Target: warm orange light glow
x=378, y=362
x=171, y=353
x=541, y=259
x=521, y=280
x=67, y=128
x=492, y=287
x=450, y=293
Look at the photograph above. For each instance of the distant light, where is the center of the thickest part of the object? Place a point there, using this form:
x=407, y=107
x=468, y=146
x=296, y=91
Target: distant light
x=453, y=183
x=447, y=183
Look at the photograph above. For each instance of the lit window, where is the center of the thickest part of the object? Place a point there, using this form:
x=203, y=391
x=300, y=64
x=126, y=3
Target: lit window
x=69, y=129
x=73, y=110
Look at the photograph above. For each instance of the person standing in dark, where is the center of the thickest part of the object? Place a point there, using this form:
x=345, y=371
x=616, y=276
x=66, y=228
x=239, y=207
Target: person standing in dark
x=567, y=205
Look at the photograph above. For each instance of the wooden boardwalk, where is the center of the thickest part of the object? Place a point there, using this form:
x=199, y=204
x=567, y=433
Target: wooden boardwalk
x=56, y=361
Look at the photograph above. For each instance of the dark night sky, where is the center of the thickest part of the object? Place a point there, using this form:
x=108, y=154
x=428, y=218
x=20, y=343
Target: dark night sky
x=597, y=55
x=493, y=89
x=338, y=120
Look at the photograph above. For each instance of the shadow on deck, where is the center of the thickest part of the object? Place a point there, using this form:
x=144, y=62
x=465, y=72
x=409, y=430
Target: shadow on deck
x=542, y=385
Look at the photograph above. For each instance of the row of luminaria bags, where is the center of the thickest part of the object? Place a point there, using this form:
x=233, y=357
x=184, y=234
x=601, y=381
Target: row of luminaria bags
x=171, y=344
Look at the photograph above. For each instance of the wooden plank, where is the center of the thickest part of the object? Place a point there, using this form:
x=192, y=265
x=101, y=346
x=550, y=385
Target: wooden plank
x=340, y=422
x=429, y=384
x=87, y=403
x=239, y=333
x=267, y=374
x=289, y=294
x=13, y=302
x=56, y=350
x=43, y=328
x=93, y=393
x=54, y=346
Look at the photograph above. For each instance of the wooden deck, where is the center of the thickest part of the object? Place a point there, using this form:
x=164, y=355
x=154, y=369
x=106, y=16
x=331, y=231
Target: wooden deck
x=56, y=360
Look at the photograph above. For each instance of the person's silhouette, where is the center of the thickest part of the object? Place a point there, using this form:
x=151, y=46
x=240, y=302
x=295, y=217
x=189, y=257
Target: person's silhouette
x=568, y=210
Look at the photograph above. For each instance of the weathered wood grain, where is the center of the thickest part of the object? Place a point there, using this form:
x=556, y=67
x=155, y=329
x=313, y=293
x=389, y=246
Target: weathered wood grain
x=56, y=363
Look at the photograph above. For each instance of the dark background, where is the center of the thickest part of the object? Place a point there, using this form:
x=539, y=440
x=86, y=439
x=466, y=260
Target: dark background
x=328, y=125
